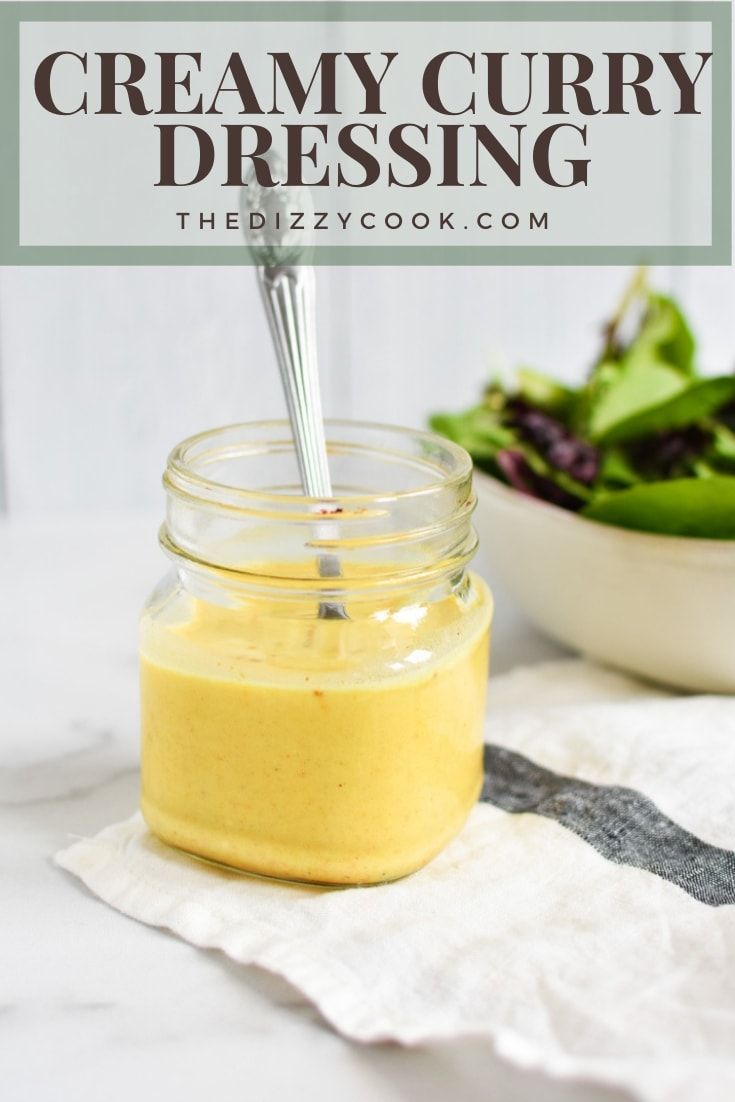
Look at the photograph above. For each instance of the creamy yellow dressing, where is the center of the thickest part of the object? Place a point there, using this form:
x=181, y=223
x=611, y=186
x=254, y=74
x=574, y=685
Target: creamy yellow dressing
x=344, y=752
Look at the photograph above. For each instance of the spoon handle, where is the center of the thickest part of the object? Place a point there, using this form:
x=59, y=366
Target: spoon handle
x=288, y=296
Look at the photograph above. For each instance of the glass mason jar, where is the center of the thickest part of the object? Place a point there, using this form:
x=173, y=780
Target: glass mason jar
x=313, y=673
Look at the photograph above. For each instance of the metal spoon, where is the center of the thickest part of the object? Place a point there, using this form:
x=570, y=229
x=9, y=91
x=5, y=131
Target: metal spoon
x=287, y=289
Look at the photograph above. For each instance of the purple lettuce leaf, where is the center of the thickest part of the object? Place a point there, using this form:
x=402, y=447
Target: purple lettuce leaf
x=671, y=452
x=521, y=476
x=554, y=441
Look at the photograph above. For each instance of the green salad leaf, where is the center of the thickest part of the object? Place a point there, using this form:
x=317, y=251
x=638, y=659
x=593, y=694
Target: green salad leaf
x=645, y=442
x=723, y=444
x=478, y=430
x=639, y=386
x=617, y=470
x=544, y=392
x=664, y=335
x=686, y=406
x=701, y=507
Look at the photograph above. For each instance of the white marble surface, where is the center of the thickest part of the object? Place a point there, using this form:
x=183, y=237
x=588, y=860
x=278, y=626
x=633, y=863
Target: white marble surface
x=94, y=1006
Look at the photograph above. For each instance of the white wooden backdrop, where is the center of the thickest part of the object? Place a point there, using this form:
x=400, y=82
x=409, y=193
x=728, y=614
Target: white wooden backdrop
x=102, y=370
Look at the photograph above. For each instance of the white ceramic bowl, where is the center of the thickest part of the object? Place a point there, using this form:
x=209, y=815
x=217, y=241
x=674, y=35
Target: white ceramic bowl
x=659, y=606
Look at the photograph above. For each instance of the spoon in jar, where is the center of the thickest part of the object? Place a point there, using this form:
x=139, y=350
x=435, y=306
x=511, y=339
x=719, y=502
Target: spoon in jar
x=287, y=289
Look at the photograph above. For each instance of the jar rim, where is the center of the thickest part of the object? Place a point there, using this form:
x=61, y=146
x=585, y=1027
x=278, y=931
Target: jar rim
x=419, y=529
x=183, y=479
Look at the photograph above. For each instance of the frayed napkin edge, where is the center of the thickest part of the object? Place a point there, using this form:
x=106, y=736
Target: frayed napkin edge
x=87, y=859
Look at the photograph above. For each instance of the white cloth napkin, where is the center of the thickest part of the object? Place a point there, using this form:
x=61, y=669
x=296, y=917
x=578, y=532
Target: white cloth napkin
x=587, y=930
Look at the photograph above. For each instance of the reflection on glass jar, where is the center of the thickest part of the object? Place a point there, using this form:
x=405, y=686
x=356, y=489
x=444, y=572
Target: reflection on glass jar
x=299, y=723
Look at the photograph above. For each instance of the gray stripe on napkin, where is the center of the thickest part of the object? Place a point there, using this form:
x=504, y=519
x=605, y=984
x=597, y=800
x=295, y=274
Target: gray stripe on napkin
x=620, y=823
